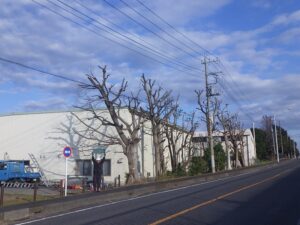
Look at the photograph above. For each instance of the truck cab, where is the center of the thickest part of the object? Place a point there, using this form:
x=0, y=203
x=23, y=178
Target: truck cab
x=17, y=170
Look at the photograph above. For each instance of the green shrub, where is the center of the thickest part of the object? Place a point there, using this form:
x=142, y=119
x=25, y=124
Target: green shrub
x=220, y=157
x=198, y=165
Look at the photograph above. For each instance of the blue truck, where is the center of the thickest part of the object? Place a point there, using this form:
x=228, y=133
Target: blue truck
x=17, y=170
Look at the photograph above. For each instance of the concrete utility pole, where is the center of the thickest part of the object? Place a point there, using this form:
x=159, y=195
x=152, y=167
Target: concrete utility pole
x=276, y=142
x=281, y=139
x=143, y=149
x=294, y=149
x=209, y=117
x=253, y=127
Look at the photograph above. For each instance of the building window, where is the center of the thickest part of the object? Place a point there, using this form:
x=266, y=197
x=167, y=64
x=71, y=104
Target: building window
x=107, y=167
x=85, y=167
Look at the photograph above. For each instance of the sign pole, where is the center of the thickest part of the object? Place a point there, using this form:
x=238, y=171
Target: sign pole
x=67, y=153
x=66, y=178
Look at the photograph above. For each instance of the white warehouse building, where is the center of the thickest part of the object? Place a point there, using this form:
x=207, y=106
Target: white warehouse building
x=44, y=136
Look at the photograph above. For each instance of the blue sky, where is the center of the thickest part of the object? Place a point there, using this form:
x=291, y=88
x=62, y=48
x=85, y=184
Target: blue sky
x=257, y=41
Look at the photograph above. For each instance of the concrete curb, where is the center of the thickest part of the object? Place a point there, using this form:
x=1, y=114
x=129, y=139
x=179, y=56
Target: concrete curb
x=41, y=209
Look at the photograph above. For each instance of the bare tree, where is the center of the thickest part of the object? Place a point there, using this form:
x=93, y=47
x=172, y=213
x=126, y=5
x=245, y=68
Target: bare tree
x=179, y=139
x=202, y=107
x=224, y=119
x=120, y=125
x=160, y=105
x=267, y=126
x=235, y=132
x=208, y=111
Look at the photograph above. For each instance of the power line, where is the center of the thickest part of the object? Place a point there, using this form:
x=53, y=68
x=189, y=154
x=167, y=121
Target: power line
x=126, y=31
x=219, y=63
x=154, y=51
x=157, y=26
x=151, y=31
x=173, y=28
x=105, y=37
x=40, y=71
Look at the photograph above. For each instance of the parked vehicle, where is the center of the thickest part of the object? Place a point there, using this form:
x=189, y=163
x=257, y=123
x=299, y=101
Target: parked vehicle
x=17, y=170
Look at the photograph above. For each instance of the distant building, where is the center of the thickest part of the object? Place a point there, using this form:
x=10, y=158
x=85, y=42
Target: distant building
x=247, y=149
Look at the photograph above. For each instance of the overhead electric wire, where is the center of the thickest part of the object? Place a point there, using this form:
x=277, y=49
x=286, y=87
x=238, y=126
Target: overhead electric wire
x=158, y=27
x=40, y=71
x=233, y=98
x=131, y=33
x=171, y=26
x=186, y=38
x=142, y=26
x=157, y=53
x=105, y=37
x=145, y=27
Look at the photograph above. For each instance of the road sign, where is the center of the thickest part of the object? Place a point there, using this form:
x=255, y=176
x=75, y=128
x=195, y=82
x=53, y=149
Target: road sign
x=67, y=152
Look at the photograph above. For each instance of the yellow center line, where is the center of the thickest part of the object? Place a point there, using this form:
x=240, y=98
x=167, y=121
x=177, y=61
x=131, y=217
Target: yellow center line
x=213, y=200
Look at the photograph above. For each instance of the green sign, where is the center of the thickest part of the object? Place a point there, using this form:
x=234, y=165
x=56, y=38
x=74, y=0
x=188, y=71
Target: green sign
x=99, y=150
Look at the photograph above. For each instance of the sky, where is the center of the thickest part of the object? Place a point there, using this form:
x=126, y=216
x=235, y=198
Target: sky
x=256, y=43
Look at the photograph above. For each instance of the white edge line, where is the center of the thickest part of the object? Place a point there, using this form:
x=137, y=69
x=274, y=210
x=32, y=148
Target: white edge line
x=131, y=199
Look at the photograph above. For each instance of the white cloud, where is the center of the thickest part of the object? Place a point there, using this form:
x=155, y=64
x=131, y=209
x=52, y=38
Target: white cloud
x=183, y=12
x=286, y=19
x=46, y=104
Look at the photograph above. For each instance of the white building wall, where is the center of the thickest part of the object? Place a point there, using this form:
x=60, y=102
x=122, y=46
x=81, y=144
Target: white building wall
x=248, y=150
x=37, y=133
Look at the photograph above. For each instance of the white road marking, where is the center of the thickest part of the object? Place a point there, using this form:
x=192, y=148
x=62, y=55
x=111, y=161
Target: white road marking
x=132, y=199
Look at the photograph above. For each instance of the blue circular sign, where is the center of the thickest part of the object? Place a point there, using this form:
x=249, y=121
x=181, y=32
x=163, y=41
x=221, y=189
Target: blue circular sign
x=67, y=151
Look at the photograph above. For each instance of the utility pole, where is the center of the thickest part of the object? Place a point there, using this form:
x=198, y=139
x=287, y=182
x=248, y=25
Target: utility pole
x=281, y=139
x=273, y=140
x=294, y=149
x=143, y=148
x=209, y=117
x=253, y=127
x=276, y=142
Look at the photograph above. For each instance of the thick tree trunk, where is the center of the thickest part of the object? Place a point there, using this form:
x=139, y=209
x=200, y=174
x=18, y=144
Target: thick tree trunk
x=156, y=144
x=132, y=156
x=236, y=151
x=228, y=153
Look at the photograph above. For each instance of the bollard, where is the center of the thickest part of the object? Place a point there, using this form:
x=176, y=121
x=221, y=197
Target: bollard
x=119, y=180
x=115, y=184
x=61, y=188
x=2, y=195
x=83, y=184
x=35, y=191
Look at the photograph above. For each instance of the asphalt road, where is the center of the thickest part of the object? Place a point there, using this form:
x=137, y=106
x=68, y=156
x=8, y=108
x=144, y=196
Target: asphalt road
x=269, y=196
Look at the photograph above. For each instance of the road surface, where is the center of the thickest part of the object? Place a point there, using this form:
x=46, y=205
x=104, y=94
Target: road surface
x=269, y=196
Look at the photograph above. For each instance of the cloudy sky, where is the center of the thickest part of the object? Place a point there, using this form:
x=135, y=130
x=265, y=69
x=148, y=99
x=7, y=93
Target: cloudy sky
x=256, y=41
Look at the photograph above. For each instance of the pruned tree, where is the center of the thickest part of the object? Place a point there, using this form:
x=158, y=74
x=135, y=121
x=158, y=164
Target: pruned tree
x=208, y=109
x=179, y=138
x=160, y=105
x=120, y=124
x=235, y=132
x=267, y=126
x=223, y=117
x=202, y=107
